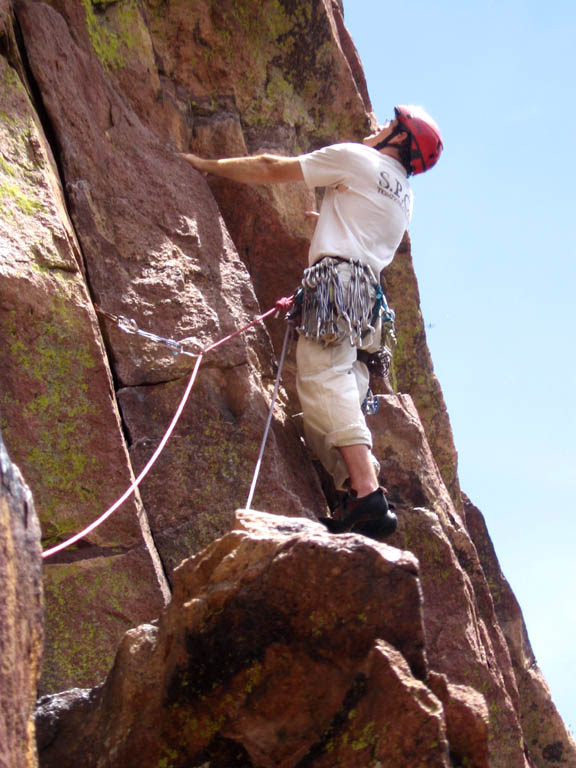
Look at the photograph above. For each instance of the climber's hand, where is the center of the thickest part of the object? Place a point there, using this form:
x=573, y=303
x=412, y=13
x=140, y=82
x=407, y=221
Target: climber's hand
x=196, y=162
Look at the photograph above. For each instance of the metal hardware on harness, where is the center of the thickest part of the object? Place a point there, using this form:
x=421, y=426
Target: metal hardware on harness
x=371, y=404
x=333, y=310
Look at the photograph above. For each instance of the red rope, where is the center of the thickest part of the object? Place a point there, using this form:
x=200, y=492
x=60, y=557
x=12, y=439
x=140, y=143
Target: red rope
x=278, y=307
x=281, y=305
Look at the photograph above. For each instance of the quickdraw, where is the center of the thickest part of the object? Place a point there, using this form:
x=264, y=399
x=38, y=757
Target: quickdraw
x=128, y=325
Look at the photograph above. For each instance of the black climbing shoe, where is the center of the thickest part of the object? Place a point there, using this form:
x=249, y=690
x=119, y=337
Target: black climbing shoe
x=369, y=515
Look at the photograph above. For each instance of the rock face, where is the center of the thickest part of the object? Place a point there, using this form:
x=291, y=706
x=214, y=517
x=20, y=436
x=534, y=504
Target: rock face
x=59, y=415
x=21, y=612
x=246, y=667
x=99, y=213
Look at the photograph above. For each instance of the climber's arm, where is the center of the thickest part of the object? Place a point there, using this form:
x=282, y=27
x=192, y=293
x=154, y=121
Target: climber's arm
x=258, y=169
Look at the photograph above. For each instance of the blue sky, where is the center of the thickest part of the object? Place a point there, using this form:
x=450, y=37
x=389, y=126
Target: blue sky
x=494, y=245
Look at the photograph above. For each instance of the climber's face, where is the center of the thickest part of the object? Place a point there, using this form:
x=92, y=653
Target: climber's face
x=382, y=133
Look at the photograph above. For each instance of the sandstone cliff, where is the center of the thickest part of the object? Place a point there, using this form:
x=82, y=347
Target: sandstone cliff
x=98, y=210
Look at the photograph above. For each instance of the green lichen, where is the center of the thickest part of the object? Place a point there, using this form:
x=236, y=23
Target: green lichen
x=321, y=623
x=55, y=370
x=25, y=204
x=264, y=22
x=129, y=21
x=7, y=119
x=11, y=77
x=271, y=34
x=79, y=652
x=59, y=531
x=199, y=729
x=105, y=42
x=6, y=167
x=169, y=758
x=21, y=186
x=357, y=739
x=254, y=676
x=218, y=451
x=110, y=44
x=366, y=739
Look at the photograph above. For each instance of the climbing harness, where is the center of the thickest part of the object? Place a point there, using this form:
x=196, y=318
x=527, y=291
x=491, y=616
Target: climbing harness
x=329, y=310
x=129, y=326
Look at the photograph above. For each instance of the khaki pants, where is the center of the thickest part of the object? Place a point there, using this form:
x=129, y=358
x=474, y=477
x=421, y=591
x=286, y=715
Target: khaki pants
x=332, y=385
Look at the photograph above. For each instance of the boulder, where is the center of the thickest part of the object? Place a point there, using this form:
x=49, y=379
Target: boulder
x=467, y=720
x=283, y=645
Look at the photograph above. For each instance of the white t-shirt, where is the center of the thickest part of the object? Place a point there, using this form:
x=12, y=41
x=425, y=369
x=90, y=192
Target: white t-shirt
x=367, y=216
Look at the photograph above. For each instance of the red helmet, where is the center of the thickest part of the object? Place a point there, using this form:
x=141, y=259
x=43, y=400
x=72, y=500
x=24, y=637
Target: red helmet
x=425, y=137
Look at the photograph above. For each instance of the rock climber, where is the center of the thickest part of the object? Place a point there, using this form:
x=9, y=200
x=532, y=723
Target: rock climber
x=366, y=209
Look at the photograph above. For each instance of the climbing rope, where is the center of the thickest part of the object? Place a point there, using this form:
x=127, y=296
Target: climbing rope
x=287, y=333
x=129, y=326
